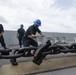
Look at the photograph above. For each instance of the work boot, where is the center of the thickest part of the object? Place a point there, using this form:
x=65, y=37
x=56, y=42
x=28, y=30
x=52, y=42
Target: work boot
x=14, y=62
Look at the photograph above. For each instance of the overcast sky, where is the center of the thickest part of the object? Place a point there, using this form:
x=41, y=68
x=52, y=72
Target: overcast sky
x=55, y=15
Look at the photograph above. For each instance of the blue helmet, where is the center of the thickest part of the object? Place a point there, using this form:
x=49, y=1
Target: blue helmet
x=21, y=26
x=37, y=22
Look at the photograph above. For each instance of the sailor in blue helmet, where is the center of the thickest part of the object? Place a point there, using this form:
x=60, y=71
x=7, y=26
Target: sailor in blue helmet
x=29, y=35
x=20, y=34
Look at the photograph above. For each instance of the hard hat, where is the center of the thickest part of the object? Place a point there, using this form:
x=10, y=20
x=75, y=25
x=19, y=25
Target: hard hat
x=21, y=26
x=37, y=22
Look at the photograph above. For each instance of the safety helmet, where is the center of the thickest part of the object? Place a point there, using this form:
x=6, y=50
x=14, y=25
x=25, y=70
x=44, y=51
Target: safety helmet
x=37, y=22
x=21, y=26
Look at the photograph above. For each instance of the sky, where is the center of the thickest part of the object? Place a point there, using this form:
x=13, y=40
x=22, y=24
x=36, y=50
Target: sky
x=55, y=15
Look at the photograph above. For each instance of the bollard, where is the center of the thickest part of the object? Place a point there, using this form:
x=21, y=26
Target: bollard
x=63, y=40
x=57, y=39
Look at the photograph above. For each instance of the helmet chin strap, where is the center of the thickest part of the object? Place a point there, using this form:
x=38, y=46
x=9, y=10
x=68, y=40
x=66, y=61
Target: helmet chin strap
x=36, y=25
